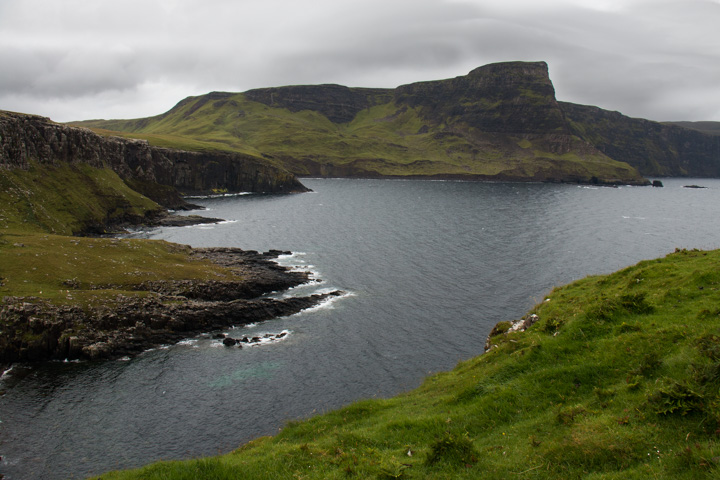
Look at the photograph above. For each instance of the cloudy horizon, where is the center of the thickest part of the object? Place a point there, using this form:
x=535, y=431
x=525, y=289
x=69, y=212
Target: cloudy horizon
x=83, y=59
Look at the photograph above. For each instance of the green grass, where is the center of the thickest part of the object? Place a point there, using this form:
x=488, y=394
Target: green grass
x=90, y=271
x=67, y=199
x=620, y=378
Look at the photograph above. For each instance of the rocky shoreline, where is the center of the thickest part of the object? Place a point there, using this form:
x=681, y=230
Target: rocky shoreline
x=37, y=330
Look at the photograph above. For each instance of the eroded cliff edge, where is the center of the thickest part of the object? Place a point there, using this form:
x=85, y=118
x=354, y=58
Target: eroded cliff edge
x=158, y=173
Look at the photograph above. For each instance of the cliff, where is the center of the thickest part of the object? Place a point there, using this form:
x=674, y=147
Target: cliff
x=510, y=98
x=653, y=148
x=25, y=139
x=338, y=103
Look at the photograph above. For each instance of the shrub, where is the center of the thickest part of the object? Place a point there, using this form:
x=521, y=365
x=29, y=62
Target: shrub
x=454, y=449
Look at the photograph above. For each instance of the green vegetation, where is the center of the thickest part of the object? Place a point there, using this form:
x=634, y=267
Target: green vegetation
x=92, y=271
x=40, y=208
x=67, y=199
x=620, y=378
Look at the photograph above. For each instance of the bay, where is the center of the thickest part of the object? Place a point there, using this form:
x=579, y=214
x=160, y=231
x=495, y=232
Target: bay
x=428, y=266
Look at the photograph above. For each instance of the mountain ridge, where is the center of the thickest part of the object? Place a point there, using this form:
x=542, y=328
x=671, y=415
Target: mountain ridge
x=499, y=122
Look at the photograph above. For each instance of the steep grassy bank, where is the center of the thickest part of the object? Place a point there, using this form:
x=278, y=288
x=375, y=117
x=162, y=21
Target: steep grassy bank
x=619, y=378
x=69, y=199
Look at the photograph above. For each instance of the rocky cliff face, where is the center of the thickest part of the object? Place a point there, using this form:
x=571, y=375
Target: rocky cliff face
x=338, y=103
x=513, y=98
x=27, y=138
x=653, y=148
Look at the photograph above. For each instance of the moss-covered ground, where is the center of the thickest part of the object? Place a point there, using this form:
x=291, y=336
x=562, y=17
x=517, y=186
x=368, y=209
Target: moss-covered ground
x=619, y=379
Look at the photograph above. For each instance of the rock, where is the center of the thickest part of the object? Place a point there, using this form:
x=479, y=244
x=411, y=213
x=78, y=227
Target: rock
x=523, y=324
x=503, y=328
x=219, y=336
x=229, y=342
x=276, y=253
x=657, y=183
x=693, y=186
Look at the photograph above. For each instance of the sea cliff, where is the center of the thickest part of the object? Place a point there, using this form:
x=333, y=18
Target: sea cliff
x=157, y=173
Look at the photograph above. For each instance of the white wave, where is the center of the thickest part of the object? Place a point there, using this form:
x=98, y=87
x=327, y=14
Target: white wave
x=188, y=341
x=6, y=373
x=291, y=256
x=328, y=303
x=220, y=195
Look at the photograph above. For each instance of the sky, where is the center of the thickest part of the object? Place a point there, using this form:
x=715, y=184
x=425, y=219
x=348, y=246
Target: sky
x=90, y=59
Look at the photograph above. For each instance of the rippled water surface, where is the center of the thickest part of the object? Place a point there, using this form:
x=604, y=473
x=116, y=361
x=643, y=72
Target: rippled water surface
x=429, y=268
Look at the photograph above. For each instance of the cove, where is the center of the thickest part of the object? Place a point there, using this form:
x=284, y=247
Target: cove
x=428, y=267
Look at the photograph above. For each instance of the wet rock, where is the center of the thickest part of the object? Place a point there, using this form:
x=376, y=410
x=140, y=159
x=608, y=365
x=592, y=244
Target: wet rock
x=229, y=342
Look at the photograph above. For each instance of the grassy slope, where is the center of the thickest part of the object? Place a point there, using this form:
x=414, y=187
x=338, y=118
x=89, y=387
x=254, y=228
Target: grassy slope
x=40, y=208
x=387, y=139
x=619, y=379
x=66, y=199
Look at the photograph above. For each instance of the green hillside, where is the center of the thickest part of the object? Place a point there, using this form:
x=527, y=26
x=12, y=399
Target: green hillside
x=618, y=379
x=499, y=122
x=41, y=208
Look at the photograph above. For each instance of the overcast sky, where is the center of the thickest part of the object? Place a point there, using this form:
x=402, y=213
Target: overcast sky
x=82, y=59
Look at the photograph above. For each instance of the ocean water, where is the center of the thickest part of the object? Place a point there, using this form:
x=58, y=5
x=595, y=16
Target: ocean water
x=428, y=268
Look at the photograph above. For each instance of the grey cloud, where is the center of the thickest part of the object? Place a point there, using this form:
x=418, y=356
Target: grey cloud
x=658, y=59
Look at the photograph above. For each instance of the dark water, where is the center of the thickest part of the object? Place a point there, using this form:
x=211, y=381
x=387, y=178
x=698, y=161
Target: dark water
x=430, y=267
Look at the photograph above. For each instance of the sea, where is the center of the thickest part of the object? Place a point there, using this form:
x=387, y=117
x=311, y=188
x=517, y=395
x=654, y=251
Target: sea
x=427, y=267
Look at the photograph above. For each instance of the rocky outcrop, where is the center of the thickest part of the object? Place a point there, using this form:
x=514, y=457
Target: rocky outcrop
x=511, y=98
x=158, y=173
x=502, y=329
x=36, y=330
x=338, y=103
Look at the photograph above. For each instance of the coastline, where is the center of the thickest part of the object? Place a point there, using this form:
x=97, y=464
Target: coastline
x=38, y=330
